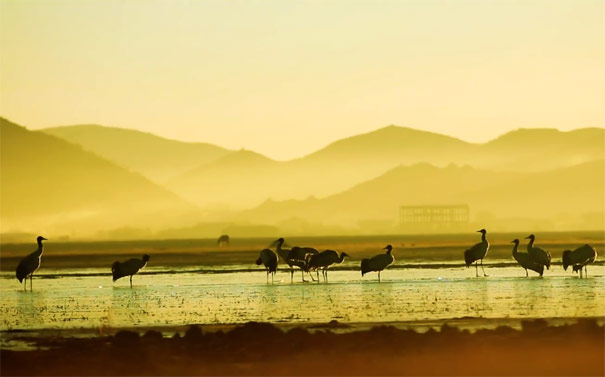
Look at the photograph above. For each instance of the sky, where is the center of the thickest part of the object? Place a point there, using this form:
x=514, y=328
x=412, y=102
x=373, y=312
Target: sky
x=285, y=78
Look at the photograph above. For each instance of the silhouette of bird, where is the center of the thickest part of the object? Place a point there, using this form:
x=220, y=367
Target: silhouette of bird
x=128, y=268
x=378, y=262
x=525, y=260
x=294, y=257
x=30, y=264
x=579, y=258
x=539, y=255
x=299, y=254
x=477, y=252
x=268, y=258
x=324, y=260
x=223, y=240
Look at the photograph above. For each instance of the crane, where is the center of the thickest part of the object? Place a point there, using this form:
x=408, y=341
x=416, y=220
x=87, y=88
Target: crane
x=579, y=258
x=378, y=262
x=268, y=258
x=539, y=255
x=477, y=252
x=128, y=268
x=525, y=260
x=324, y=260
x=30, y=264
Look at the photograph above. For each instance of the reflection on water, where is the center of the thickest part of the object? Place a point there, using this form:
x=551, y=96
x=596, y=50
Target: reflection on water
x=91, y=300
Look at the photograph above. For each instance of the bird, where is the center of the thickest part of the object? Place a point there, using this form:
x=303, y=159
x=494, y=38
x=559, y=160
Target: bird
x=128, y=268
x=30, y=264
x=525, y=260
x=378, y=262
x=579, y=258
x=477, y=252
x=293, y=257
x=539, y=255
x=324, y=260
x=223, y=240
x=268, y=258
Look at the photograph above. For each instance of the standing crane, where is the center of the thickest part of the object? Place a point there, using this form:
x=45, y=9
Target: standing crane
x=477, y=252
x=294, y=257
x=324, y=260
x=378, y=262
x=268, y=258
x=579, y=258
x=539, y=255
x=525, y=260
x=30, y=264
x=128, y=268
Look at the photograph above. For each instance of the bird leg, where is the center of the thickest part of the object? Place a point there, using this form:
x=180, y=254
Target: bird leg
x=585, y=271
x=31, y=278
x=379, y=276
x=130, y=281
x=476, y=270
x=326, y=271
x=526, y=273
x=291, y=275
x=302, y=275
x=483, y=269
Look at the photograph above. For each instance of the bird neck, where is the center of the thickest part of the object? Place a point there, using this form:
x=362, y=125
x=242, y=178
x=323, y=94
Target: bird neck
x=341, y=259
x=515, y=249
x=530, y=244
x=40, y=248
x=483, y=238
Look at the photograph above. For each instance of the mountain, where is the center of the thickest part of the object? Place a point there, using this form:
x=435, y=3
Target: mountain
x=565, y=197
x=49, y=184
x=356, y=159
x=238, y=178
x=152, y=156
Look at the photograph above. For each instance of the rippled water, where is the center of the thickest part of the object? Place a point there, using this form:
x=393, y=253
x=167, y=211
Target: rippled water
x=68, y=299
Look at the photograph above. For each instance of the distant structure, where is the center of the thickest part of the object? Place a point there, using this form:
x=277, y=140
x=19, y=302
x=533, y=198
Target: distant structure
x=433, y=217
x=223, y=240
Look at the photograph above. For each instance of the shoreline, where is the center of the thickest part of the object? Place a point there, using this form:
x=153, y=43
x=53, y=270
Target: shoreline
x=267, y=349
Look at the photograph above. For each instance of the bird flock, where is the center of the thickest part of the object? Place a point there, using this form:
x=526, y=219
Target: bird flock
x=309, y=260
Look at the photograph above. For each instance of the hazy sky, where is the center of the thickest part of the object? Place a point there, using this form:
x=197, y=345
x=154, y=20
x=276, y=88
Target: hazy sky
x=287, y=77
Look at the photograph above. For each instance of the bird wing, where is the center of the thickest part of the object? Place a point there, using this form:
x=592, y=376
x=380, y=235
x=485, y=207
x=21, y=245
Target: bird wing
x=28, y=265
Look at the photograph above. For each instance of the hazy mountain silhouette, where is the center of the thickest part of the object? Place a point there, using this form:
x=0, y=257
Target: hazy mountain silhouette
x=154, y=157
x=47, y=181
x=354, y=160
x=550, y=198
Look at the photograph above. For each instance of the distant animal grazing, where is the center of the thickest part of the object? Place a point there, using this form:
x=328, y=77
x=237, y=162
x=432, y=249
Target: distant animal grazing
x=128, y=268
x=30, y=264
x=477, y=253
x=268, y=258
x=324, y=260
x=579, y=258
x=223, y=240
x=539, y=255
x=378, y=262
x=525, y=260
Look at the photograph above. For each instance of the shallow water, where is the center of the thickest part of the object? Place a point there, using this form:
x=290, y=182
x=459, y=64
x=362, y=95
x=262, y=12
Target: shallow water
x=70, y=299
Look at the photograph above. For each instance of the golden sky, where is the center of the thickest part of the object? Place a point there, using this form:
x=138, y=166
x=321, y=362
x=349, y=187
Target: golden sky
x=287, y=77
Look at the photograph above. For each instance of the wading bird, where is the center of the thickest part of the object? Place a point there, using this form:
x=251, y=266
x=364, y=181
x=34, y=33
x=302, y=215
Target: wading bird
x=477, y=253
x=30, y=264
x=268, y=258
x=324, y=260
x=128, y=268
x=294, y=257
x=539, y=255
x=378, y=262
x=525, y=260
x=579, y=258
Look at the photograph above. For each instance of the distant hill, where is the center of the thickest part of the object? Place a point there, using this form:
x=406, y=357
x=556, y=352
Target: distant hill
x=49, y=184
x=354, y=160
x=154, y=157
x=571, y=196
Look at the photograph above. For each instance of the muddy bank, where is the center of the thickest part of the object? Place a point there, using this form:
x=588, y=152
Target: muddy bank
x=264, y=349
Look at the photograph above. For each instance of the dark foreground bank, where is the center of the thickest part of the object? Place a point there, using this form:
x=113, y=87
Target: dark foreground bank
x=263, y=349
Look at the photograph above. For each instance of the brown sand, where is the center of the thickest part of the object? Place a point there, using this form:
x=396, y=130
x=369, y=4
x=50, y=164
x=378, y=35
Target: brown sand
x=263, y=349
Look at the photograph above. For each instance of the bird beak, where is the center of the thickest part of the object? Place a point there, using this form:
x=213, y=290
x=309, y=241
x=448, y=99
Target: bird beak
x=512, y=241
x=528, y=237
x=478, y=231
x=45, y=239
